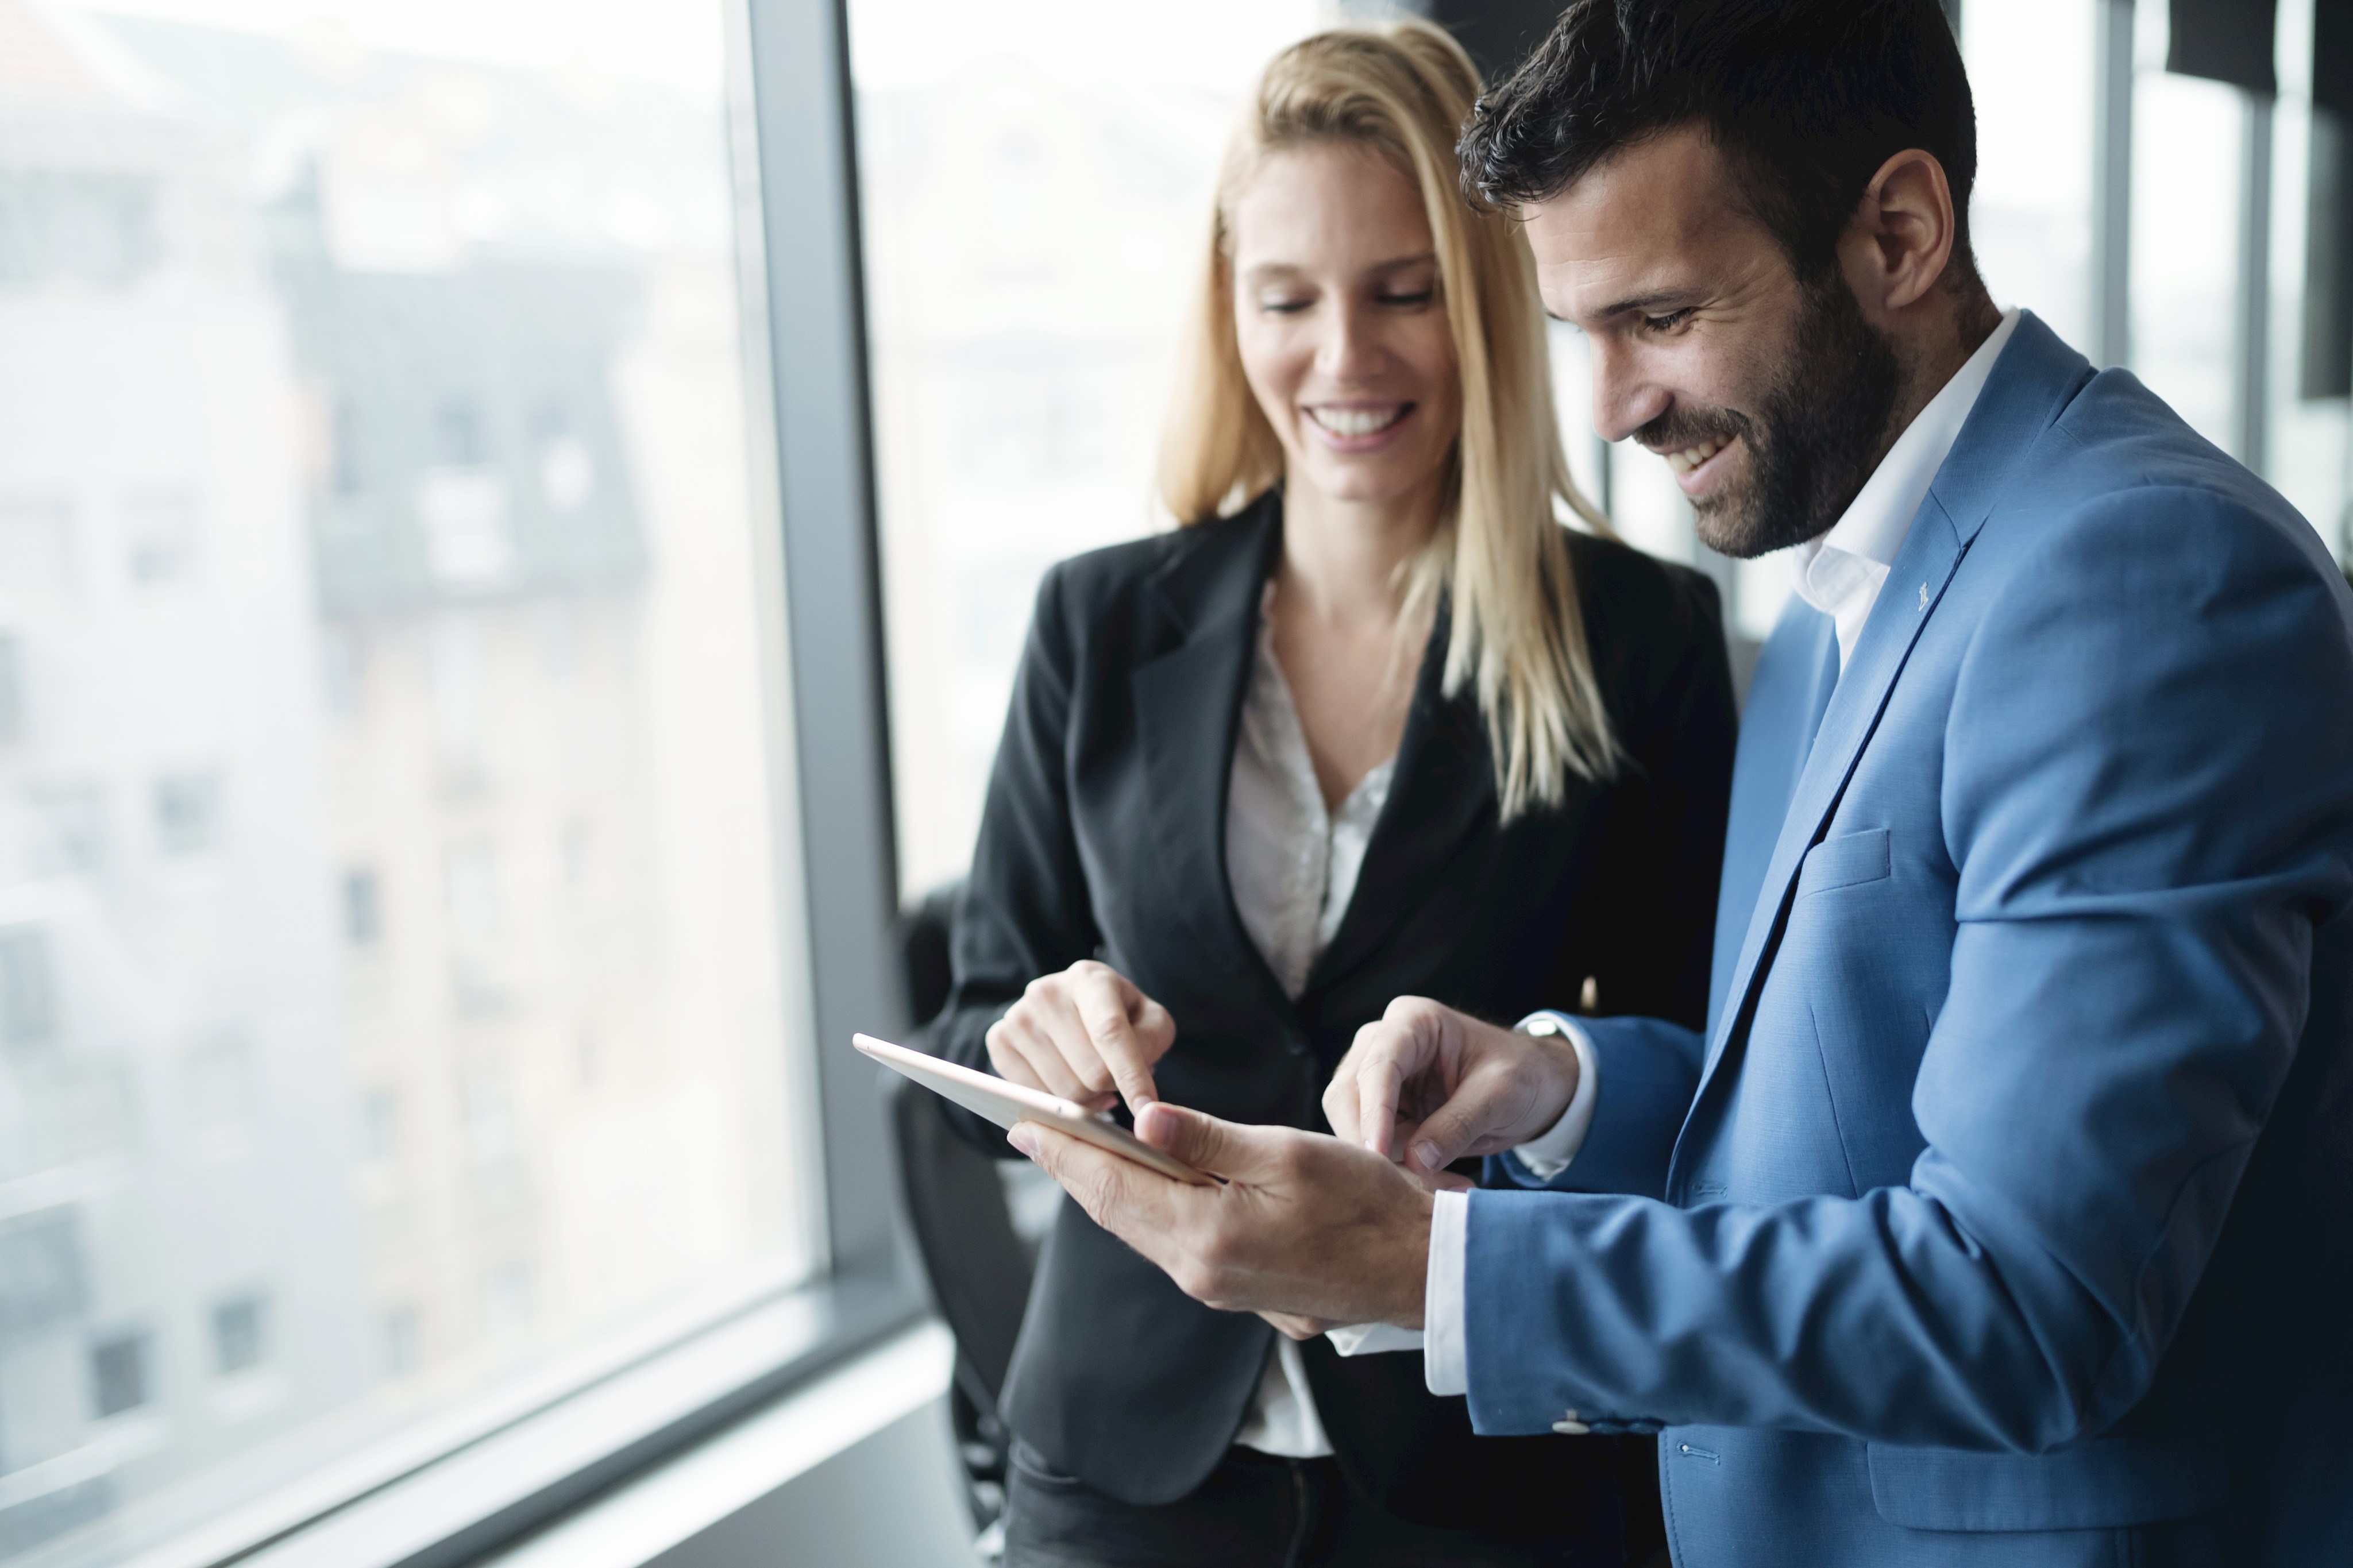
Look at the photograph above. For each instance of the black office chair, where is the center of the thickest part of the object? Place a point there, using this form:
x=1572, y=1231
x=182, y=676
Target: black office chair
x=977, y=1262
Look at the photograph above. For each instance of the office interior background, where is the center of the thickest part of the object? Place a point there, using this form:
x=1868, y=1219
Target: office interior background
x=517, y=518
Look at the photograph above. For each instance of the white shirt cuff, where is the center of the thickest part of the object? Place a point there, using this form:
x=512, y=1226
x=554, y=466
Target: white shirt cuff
x=1372, y=1339
x=1548, y=1154
x=1444, y=1369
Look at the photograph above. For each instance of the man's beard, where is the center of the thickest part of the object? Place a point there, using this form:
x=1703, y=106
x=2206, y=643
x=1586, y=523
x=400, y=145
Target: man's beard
x=1816, y=437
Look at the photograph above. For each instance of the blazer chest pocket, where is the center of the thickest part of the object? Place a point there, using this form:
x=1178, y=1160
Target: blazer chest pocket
x=1846, y=861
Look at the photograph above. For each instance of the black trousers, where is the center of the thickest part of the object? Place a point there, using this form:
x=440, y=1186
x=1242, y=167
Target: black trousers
x=1254, y=1511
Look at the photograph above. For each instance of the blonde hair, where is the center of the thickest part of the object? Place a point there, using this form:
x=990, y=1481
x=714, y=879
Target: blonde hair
x=1403, y=89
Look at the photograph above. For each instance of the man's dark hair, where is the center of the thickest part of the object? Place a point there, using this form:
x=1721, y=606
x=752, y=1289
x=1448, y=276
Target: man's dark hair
x=1808, y=97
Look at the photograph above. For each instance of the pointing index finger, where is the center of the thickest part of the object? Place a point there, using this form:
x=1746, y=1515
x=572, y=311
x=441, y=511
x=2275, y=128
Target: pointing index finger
x=1103, y=1005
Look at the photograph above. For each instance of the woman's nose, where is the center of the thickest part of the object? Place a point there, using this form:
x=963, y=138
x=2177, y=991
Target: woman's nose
x=1347, y=349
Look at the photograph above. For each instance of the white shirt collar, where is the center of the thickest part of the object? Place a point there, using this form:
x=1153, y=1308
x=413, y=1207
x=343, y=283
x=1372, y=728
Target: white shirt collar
x=1840, y=573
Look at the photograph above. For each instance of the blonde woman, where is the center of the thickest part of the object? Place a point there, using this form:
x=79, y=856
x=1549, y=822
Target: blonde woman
x=1374, y=721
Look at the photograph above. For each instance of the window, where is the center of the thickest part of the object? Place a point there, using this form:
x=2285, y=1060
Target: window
x=118, y=1374
x=459, y=439
x=236, y=1336
x=12, y=689
x=28, y=997
x=36, y=545
x=401, y=1352
x=346, y=473
x=380, y=1126
x=2031, y=212
x=1025, y=286
x=187, y=813
x=365, y=350
x=2188, y=156
x=67, y=830
x=363, y=908
x=162, y=536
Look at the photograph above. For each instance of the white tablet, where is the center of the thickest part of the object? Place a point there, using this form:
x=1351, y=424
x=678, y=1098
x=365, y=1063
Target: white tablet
x=1008, y=1103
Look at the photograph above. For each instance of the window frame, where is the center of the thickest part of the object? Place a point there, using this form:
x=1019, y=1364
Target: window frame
x=481, y=1478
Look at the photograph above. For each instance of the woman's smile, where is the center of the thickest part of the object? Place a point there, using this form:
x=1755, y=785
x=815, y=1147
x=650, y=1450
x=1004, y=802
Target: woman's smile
x=1356, y=426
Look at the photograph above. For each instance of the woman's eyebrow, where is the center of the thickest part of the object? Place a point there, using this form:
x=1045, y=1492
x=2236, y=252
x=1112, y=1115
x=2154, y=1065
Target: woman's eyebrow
x=1277, y=269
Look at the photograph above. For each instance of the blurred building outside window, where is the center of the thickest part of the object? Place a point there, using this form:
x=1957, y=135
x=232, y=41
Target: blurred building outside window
x=377, y=522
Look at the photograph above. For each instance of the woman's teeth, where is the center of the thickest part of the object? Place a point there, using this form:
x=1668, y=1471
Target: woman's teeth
x=1358, y=421
x=1691, y=458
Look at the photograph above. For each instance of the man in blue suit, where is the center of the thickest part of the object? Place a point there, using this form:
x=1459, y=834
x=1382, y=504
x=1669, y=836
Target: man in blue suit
x=2004, y=1213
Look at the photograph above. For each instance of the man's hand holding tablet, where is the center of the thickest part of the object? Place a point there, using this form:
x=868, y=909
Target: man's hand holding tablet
x=1303, y=1228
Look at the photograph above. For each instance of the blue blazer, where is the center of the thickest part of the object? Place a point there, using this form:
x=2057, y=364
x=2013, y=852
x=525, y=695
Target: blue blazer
x=2004, y=1214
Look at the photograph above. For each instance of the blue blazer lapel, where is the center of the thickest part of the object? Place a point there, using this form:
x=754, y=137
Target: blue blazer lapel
x=2035, y=379
x=1930, y=552
x=1796, y=675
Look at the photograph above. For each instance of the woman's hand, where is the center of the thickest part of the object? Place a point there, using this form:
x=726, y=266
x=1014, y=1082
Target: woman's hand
x=1087, y=1035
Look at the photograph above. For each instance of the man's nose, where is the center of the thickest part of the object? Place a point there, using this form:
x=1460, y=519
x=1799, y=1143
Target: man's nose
x=1624, y=399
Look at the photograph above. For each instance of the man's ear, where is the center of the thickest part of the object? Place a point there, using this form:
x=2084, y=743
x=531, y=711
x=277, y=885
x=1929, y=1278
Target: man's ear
x=1902, y=234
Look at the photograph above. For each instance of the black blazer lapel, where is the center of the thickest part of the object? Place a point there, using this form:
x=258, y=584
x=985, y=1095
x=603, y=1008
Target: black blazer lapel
x=1442, y=793
x=1187, y=707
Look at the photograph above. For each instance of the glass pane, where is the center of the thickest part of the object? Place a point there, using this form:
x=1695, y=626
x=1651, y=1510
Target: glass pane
x=2189, y=140
x=392, y=998
x=2306, y=446
x=2030, y=72
x=1037, y=180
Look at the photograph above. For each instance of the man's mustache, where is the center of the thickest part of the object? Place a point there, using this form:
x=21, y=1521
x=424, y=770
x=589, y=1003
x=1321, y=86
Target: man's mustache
x=1678, y=429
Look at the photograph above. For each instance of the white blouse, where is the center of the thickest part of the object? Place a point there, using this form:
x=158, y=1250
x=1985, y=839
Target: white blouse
x=1293, y=868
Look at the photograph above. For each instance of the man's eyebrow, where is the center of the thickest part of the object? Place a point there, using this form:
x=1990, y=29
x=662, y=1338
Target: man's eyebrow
x=1646, y=302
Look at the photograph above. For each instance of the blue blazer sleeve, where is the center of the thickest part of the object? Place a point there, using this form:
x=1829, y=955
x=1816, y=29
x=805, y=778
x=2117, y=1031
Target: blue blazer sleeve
x=1649, y=1069
x=2144, y=792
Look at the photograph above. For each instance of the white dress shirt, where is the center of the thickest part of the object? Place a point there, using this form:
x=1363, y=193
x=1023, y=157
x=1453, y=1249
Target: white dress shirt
x=1838, y=574
x=1294, y=869
x=1841, y=573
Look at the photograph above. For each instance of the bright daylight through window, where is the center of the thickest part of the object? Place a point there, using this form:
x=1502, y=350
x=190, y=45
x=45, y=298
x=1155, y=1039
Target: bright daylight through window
x=1036, y=179
x=394, y=993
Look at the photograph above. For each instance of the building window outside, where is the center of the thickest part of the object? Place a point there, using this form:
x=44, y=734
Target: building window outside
x=163, y=537
x=346, y=472
x=36, y=546
x=459, y=439
x=399, y=1333
x=69, y=830
x=363, y=908
x=238, y=1327
x=187, y=813
x=28, y=991
x=518, y=407
x=13, y=717
x=380, y=1126
x=120, y=1380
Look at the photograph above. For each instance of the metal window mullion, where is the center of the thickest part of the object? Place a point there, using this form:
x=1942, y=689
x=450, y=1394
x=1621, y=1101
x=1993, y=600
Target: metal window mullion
x=2112, y=182
x=816, y=312
x=2251, y=364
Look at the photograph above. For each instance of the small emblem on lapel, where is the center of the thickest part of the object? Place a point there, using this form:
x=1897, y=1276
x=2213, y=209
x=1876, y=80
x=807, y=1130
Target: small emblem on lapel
x=1924, y=595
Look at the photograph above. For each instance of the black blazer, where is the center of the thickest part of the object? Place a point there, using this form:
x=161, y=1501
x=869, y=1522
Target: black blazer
x=1104, y=837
